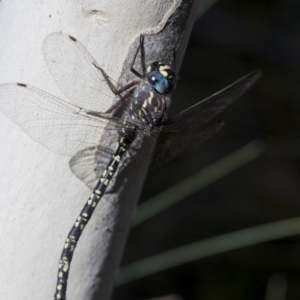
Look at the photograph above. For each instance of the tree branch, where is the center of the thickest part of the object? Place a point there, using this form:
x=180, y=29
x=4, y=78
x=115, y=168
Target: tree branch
x=40, y=197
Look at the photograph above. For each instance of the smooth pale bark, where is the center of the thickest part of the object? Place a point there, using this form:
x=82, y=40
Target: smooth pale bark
x=40, y=198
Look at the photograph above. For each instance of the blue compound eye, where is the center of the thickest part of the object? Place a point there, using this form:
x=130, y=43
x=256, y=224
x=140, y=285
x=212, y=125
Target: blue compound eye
x=158, y=81
x=161, y=77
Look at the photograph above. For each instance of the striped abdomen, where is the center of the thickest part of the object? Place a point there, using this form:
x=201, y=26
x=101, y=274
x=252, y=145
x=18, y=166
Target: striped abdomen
x=85, y=215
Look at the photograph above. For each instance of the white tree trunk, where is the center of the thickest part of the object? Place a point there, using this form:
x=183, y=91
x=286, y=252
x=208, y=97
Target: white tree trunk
x=39, y=196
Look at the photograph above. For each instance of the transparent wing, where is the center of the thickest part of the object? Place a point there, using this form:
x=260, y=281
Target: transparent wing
x=60, y=126
x=170, y=146
x=74, y=71
x=194, y=125
x=204, y=111
x=89, y=165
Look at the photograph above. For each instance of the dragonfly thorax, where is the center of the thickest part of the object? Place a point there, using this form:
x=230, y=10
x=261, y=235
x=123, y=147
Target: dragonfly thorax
x=148, y=106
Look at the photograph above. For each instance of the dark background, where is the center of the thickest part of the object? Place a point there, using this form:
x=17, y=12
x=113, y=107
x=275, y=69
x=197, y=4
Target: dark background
x=231, y=39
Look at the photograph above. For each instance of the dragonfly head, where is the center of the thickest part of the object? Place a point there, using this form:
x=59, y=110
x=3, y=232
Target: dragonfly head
x=161, y=77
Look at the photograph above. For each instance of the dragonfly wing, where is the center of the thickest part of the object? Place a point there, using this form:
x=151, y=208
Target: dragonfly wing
x=207, y=109
x=196, y=124
x=170, y=145
x=87, y=167
x=73, y=69
x=58, y=125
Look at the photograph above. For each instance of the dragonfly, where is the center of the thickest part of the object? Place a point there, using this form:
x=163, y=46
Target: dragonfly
x=87, y=128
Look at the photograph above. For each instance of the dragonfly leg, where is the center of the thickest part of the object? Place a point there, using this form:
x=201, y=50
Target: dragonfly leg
x=174, y=61
x=119, y=102
x=132, y=69
x=116, y=91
